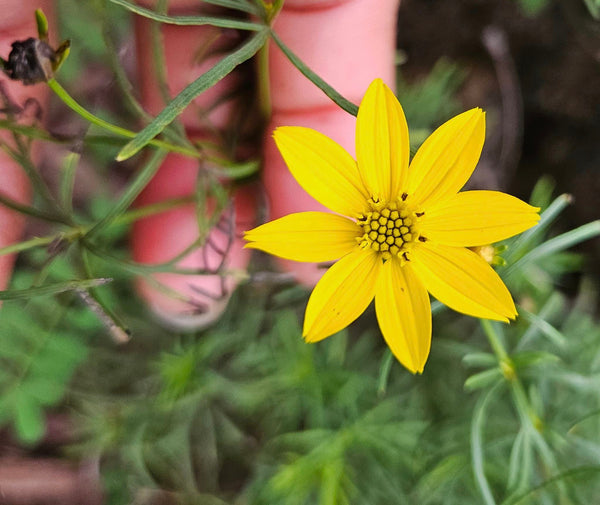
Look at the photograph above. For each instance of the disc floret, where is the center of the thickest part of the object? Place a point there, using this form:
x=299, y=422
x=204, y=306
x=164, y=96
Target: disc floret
x=389, y=228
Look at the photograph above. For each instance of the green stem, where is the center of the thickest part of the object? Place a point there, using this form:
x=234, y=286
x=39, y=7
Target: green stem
x=524, y=409
x=149, y=210
x=41, y=189
x=345, y=104
x=494, y=340
x=118, y=329
x=27, y=210
x=117, y=130
x=27, y=244
x=75, y=233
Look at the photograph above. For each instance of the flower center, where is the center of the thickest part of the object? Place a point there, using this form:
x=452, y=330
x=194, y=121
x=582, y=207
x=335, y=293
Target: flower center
x=389, y=228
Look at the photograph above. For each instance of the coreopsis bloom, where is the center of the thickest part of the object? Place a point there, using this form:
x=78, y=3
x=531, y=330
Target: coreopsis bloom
x=398, y=231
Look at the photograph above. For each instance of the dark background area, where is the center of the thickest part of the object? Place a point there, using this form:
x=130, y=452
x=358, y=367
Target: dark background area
x=551, y=92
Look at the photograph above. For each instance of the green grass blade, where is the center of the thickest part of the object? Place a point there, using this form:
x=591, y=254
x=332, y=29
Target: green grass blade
x=183, y=99
x=52, y=289
x=235, y=24
x=345, y=104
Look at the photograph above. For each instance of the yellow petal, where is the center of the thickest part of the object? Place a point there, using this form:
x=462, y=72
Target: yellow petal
x=474, y=218
x=404, y=314
x=446, y=160
x=382, y=147
x=323, y=168
x=306, y=236
x=463, y=281
x=342, y=294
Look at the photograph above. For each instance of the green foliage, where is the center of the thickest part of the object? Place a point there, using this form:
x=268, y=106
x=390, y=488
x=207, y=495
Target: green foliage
x=37, y=364
x=247, y=412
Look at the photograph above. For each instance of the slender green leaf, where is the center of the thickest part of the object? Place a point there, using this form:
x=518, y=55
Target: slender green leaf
x=345, y=104
x=545, y=327
x=556, y=244
x=52, y=289
x=240, y=5
x=528, y=237
x=183, y=99
x=235, y=24
x=67, y=181
x=553, y=306
x=133, y=190
x=70, y=102
x=591, y=470
x=28, y=210
x=485, y=359
x=515, y=469
x=483, y=379
x=384, y=372
x=239, y=170
x=532, y=358
x=42, y=24
x=29, y=131
x=477, y=456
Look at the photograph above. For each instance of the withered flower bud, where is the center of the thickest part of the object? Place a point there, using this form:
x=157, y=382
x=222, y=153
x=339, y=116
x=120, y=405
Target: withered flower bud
x=31, y=61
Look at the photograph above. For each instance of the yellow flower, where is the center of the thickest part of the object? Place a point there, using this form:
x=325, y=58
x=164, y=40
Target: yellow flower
x=399, y=231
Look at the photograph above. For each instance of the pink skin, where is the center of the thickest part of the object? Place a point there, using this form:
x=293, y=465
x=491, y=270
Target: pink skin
x=16, y=24
x=161, y=237
x=347, y=42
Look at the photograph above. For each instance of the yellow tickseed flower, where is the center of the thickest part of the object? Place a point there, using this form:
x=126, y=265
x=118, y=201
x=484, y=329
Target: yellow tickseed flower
x=406, y=232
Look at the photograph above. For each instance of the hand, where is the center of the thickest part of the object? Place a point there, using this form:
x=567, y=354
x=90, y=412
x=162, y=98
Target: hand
x=346, y=42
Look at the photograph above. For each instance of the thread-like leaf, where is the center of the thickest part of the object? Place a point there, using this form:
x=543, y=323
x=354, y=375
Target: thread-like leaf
x=52, y=289
x=345, y=104
x=183, y=99
x=235, y=24
x=556, y=244
x=133, y=190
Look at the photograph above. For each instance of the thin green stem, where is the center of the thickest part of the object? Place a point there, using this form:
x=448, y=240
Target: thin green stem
x=26, y=130
x=127, y=88
x=345, y=104
x=232, y=23
x=22, y=158
x=141, y=180
x=27, y=210
x=67, y=181
x=92, y=298
x=70, y=102
x=77, y=232
x=494, y=340
x=149, y=210
x=27, y=244
x=524, y=409
x=52, y=289
x=556, y=244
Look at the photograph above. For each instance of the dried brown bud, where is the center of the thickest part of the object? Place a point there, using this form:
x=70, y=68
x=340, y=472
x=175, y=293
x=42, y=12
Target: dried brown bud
x=30, y=61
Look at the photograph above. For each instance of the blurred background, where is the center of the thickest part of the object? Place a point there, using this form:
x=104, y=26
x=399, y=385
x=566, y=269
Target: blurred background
x=245, y=412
